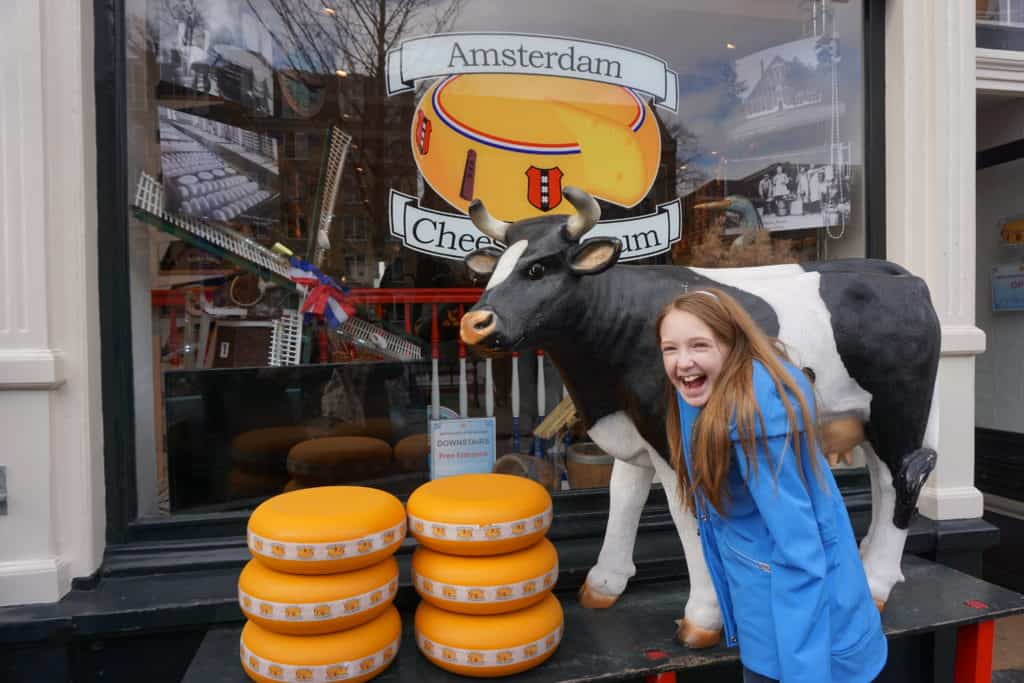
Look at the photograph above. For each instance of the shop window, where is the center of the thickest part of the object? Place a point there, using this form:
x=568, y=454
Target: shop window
x=711, y=136
x=1000, y=24
x=1006, y=12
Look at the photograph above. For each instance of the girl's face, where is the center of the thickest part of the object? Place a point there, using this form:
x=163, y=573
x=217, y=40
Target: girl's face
x=693, y=357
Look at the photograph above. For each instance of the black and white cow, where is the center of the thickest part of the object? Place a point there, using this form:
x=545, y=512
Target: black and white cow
x=864, y=329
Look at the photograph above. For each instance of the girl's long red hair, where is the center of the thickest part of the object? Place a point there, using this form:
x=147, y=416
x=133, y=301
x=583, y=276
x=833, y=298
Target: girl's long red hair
x=732, y=399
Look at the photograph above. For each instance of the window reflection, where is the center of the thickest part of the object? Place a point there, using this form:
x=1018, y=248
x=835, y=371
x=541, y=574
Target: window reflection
x=1009, y=12
x=276, y=122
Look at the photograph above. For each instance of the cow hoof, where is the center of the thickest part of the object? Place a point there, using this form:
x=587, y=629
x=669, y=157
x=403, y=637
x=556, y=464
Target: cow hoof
x=880, y=604
x=695, y=637
x=595, y=599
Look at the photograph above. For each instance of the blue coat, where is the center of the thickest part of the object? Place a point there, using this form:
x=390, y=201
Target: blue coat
x=784, y=560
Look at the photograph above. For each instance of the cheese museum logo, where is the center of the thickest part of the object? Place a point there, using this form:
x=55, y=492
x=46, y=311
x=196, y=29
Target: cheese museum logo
x=512, y=119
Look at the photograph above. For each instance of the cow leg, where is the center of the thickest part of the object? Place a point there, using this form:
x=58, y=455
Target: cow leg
x=627, y=493
x=701, y=625
x=899, y=502
x=885, y=549
x=897, y=434
x=617, y=435
x=872, y=462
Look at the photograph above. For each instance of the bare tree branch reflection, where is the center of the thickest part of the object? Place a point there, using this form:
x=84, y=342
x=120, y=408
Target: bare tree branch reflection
x=350, y=40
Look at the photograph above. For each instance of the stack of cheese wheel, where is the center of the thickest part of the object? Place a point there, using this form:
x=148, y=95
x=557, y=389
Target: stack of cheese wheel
x=318, y=592
x=485, y=572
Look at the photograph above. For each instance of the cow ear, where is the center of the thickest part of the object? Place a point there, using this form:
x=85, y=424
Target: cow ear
x=483, y=261
x=594, y=256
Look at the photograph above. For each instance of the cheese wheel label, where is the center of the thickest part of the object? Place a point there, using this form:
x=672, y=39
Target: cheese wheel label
x=526, y=652
x=475, y=594
x=337, y=671
x=481, y=532
x=318, y=552
x=318, y=611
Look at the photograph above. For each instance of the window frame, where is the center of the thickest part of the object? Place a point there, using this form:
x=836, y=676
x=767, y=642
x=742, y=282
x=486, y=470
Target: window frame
x=137, y=544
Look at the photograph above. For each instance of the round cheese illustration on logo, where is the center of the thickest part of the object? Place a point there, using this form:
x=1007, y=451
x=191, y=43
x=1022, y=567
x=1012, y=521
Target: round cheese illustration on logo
x=514, y=141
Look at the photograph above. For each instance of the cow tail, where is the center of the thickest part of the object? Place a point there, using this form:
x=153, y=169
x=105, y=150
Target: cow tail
x=931, y=430
x=915, y=467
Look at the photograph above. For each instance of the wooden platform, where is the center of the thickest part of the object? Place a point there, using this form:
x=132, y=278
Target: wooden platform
x=634, y=639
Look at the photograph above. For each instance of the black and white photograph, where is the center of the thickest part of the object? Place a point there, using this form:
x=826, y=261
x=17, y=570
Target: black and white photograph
x=216, y=171
x=218, y=48
x=787, y=86
x=791, y=195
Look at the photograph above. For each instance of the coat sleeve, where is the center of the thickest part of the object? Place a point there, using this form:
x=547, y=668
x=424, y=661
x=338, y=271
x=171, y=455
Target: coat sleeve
x=799, y=596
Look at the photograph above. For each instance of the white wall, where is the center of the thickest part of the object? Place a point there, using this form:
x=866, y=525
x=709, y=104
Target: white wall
x=930, y=159
x=999, y=386
x=50, y=418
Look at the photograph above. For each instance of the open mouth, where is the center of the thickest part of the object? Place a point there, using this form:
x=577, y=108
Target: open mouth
x=694, y=383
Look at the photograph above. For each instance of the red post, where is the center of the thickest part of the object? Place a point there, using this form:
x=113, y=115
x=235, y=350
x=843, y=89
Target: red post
x=321, y=339
x=408, y=318
x=172, y=339
x=974, y=652
x=665, y=677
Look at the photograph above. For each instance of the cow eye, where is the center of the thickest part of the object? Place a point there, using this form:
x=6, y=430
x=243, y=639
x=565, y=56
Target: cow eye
x=535, y=272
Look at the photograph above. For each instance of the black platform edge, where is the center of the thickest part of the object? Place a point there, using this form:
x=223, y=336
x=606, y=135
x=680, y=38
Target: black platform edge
x=1004, y=564
x=199, y=596
x=618, y=644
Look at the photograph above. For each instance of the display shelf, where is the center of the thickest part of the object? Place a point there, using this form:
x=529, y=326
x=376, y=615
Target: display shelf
x=218, y=240
x=286, y=340
x=331, y=169
x=372, y=338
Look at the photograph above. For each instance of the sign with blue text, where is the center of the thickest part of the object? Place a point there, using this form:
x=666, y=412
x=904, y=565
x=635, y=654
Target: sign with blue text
x=461, y=446
x=1008, y=287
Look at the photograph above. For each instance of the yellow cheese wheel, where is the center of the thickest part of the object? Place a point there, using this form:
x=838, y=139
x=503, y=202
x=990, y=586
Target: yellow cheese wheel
x=245, y=483
x=490, y=645
x=490, y=584
x=339, y=459
x=357, y=654
x=479, y=514
x=265, y=450
x=306, y=605
x=625, y=182
x=375, y=427
x=502, y=137
x=411, y=453
x=326, y=529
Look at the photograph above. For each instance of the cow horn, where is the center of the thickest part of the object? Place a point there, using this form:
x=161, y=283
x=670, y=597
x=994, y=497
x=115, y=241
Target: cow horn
x=587, y=212
x=486, y=223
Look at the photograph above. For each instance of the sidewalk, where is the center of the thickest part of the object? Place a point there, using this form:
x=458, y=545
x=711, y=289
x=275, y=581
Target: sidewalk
x=1008, y=654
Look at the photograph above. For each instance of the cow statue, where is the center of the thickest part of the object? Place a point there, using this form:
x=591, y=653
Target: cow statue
x=864, y=330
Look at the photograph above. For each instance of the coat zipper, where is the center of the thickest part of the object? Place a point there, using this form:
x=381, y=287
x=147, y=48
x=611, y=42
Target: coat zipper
x=703, y=524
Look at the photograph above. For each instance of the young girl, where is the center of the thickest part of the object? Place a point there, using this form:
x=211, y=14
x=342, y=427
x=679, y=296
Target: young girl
x=775, y=532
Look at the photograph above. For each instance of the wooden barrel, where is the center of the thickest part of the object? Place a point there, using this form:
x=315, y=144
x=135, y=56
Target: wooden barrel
x=528, y=466
x=589, y=467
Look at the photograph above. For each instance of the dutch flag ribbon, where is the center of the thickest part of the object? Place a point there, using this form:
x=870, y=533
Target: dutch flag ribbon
x=325, y=298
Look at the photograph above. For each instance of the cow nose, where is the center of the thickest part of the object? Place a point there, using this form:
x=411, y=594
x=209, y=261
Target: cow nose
x=477, y=326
